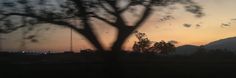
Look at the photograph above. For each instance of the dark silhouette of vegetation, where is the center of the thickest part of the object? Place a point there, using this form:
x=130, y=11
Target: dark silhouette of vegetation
x=149, y=58
x=144, y=45
x=17, y=14
x=89, y=64
x=215, y=54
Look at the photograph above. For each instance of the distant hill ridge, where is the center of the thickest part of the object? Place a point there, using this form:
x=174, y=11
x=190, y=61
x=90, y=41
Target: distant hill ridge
x=227, y=43
x=186, y=49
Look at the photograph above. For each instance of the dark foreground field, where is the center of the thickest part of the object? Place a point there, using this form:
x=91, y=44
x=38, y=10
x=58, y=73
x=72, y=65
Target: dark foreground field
x=127, y=67
x=157, y=70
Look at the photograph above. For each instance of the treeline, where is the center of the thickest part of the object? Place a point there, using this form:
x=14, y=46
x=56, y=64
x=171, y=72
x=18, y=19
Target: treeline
x=215, y=53
x=162, y=48
x=144, y=45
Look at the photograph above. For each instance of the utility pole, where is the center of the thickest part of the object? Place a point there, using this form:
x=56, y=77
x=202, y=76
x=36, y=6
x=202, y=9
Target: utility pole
x=1, y=42
x=71, y=40
x=23, y=42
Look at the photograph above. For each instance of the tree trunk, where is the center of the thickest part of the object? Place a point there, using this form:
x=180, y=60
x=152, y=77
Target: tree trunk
x=94, y=41
x=115, y=64
x=91, y=36
x=88, y=30
x=122, y=36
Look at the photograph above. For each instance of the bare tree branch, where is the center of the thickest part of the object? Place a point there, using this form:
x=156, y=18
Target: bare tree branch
x=104, y=20
x=4, y=17
x=145, y=15
x=112, y=3
x=105, y=8
x=11, y=29
x=125, y=8
x=41, y=19
x=87, y=31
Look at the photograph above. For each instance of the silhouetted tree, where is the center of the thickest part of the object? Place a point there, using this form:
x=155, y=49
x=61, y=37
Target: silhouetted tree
x=163, y=47
x=145, y=45
x=16, y=14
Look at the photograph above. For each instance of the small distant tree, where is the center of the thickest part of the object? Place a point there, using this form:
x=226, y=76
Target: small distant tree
x=143, y=44
x=164, y=47
x=147, y=46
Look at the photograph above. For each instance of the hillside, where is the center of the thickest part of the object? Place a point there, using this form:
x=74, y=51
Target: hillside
x=186, y=49
x=228, y=43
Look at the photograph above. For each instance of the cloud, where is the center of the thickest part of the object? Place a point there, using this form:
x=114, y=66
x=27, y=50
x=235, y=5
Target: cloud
x=198, y=25
x=225, y=24
x=168, y=17
x=233, y=19
x=173, y=42
x=187, y=25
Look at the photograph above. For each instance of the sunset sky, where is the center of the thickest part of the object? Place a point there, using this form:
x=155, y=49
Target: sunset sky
x=216, y=13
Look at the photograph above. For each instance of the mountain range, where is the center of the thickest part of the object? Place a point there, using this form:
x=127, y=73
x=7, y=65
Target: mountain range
x=227, y=43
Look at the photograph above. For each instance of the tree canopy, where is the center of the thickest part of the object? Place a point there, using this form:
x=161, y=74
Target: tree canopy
x=144, y=45
x=16, y=14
